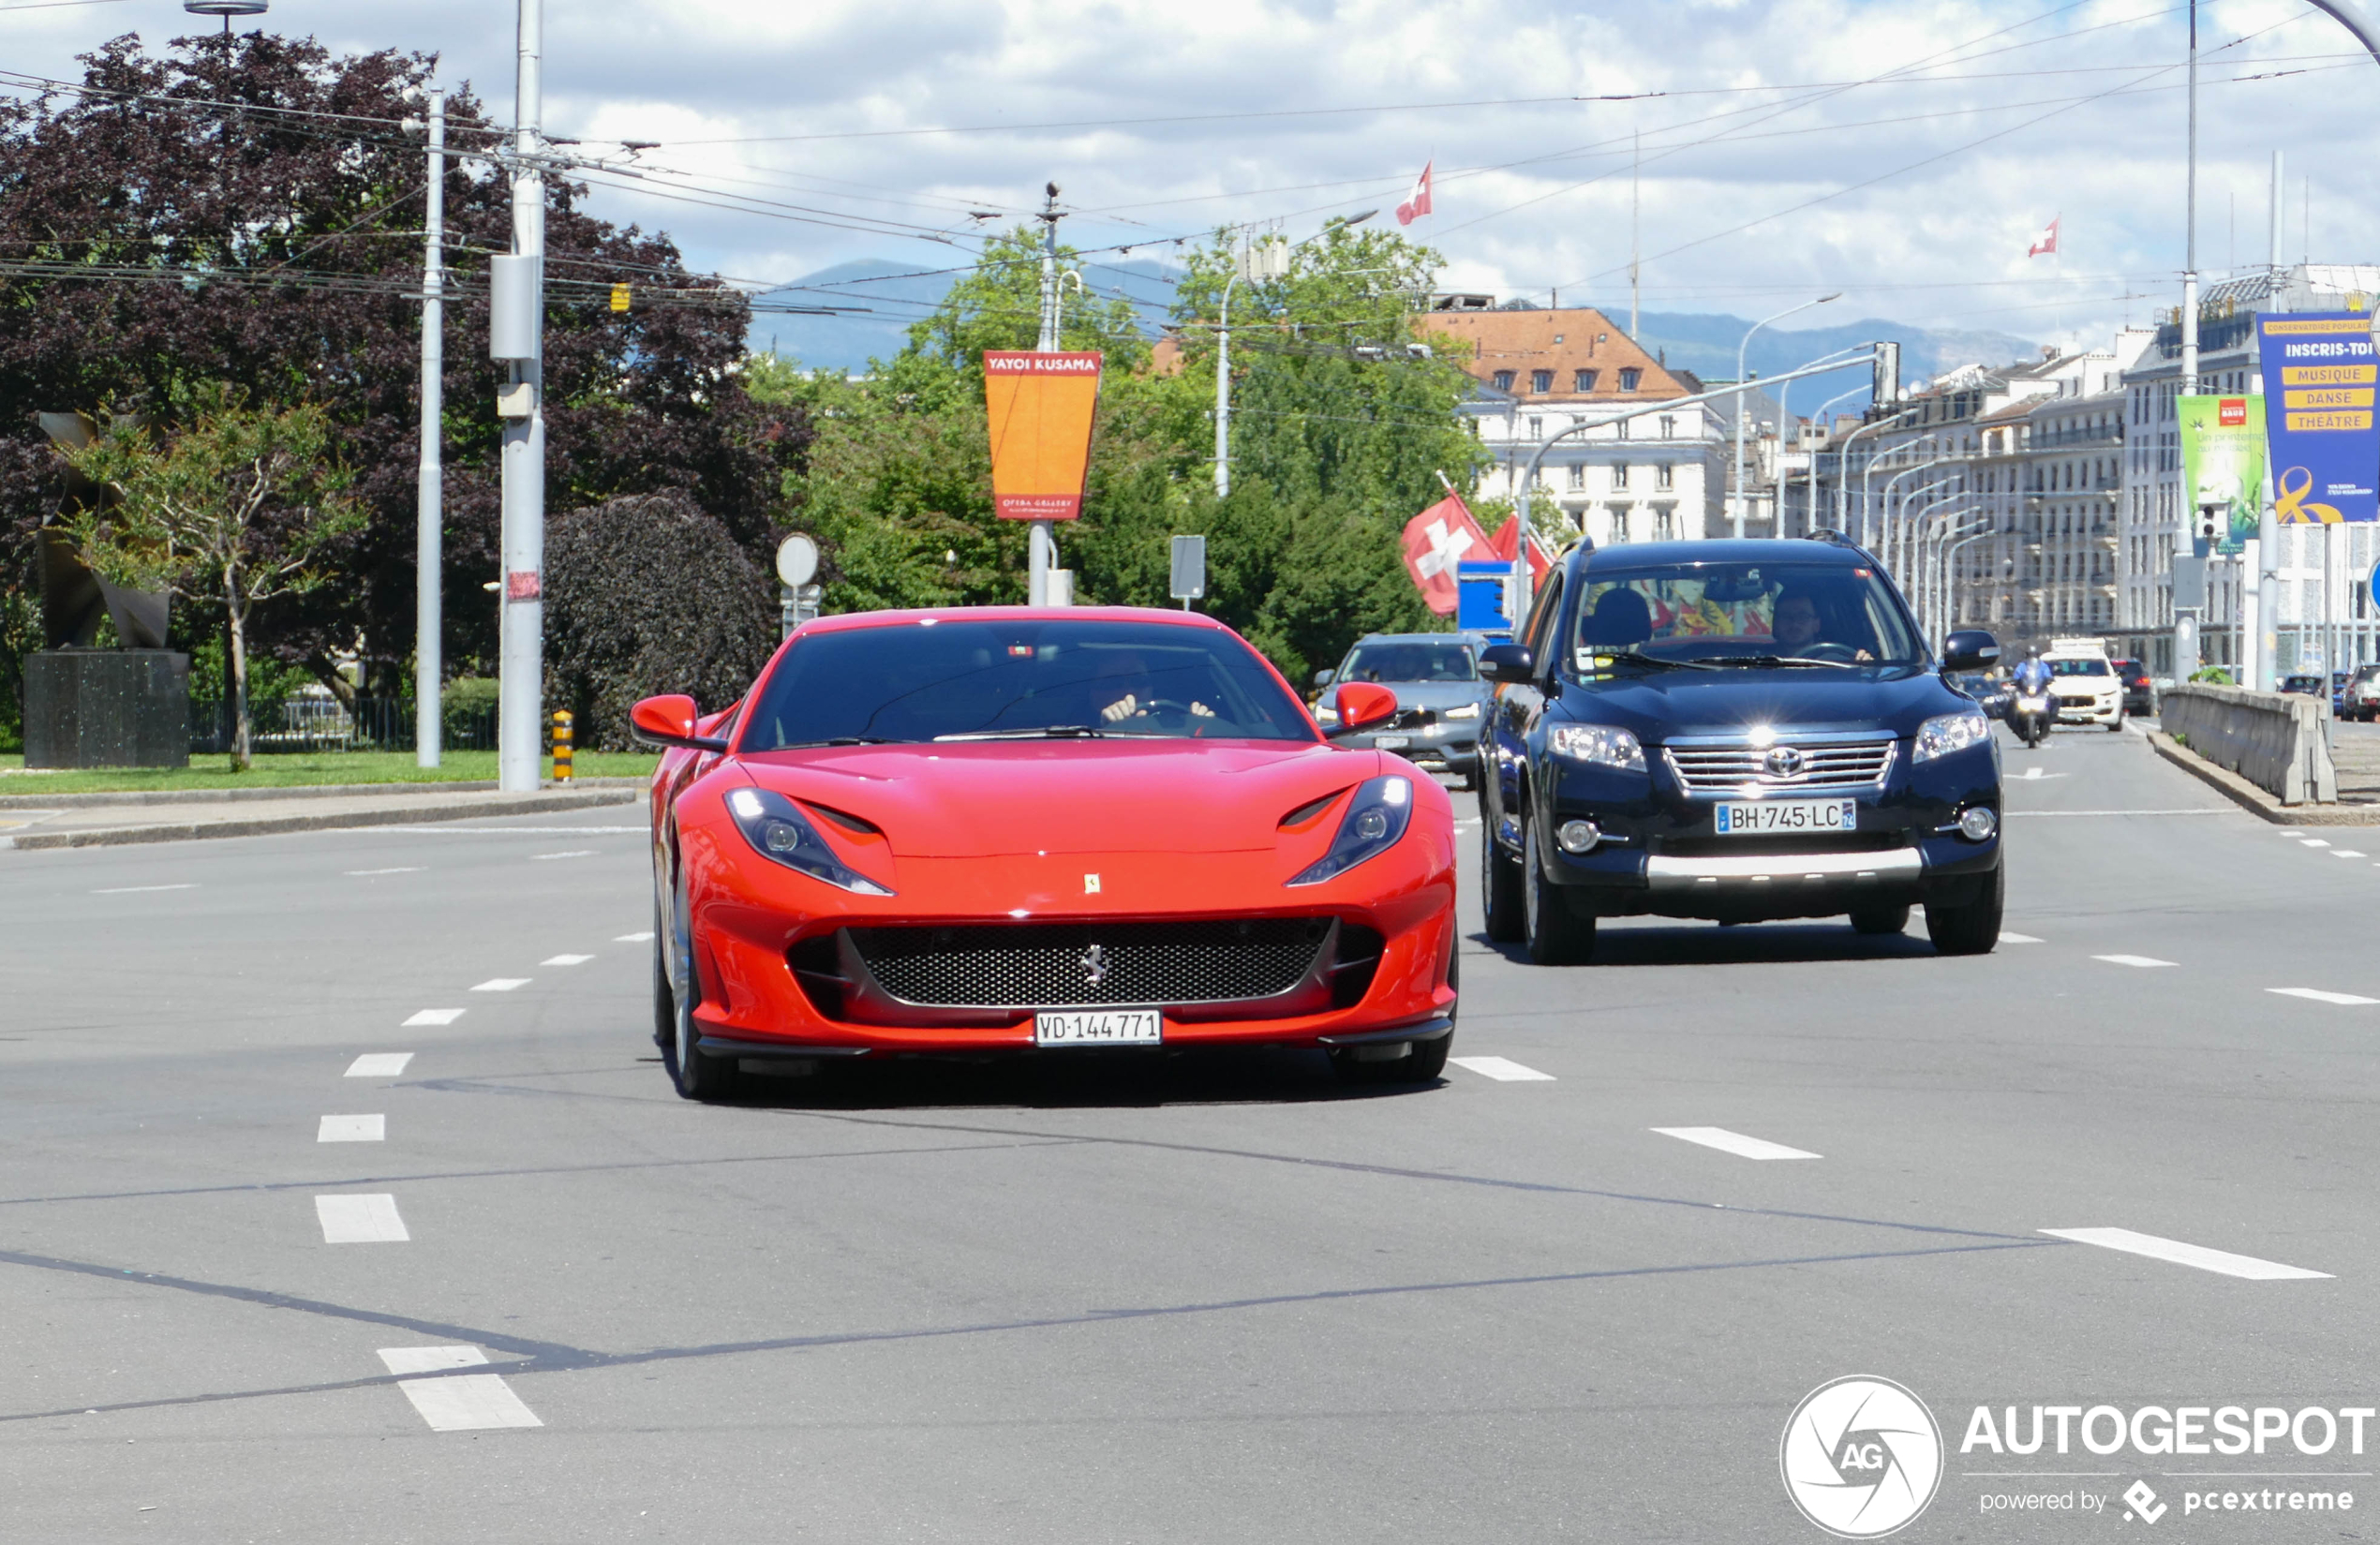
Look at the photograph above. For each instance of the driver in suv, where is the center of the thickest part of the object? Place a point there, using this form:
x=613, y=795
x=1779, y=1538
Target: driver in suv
x=1738, y=730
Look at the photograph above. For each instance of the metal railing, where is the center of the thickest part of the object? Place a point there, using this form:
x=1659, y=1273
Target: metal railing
x=310, y=723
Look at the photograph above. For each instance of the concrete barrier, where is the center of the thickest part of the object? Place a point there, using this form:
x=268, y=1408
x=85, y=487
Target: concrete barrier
x=2279, y=741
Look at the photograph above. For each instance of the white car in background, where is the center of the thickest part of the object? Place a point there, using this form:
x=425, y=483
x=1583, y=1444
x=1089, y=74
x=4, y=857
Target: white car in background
x=2084, y=679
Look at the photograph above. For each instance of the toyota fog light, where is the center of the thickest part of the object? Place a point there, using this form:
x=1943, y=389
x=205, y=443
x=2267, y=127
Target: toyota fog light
x=1578, y=837
x=1977, y=822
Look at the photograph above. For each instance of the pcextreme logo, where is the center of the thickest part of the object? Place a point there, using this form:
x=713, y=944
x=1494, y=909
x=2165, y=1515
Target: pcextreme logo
x=1861, y=1457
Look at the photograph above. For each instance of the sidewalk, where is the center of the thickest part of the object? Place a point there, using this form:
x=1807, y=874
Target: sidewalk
x=90, y=820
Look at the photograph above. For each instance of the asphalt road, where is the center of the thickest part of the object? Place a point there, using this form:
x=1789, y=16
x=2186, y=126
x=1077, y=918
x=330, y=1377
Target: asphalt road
x=1198, y=1300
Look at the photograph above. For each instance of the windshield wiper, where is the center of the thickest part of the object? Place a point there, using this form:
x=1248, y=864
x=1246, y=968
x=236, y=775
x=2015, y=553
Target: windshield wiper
x=1045, y=732
x=1634, y=657
x=837, y=740
x=1763, y=661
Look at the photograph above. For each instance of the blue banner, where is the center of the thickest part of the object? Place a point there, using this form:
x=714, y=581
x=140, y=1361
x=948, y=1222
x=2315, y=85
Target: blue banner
x=2320, y=375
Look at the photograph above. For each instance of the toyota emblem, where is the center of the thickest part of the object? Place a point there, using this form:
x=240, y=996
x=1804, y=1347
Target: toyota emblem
x=1784, y=762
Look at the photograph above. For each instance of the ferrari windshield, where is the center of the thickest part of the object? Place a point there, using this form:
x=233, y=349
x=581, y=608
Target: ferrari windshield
x=1742, y=616
x=954, y=679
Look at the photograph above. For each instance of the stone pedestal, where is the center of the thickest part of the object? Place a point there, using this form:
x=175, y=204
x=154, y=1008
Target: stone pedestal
x=106, y=708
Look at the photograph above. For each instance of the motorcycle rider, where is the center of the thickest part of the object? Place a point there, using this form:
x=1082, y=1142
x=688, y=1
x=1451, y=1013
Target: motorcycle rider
x=2032, y=680
x=2033, y=675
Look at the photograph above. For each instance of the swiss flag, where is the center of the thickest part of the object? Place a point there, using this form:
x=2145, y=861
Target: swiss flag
x=1435, y=541
x=2045, y=243
x=1507, y=540
x=1417, y=204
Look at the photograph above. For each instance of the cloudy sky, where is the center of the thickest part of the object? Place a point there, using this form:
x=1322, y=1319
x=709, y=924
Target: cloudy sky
x=1905, y=152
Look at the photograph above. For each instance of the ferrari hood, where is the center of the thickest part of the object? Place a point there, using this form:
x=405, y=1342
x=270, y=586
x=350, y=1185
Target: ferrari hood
x=984, y=800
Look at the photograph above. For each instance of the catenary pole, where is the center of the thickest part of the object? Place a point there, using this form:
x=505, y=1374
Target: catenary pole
x=1742, y=386
x=1043, y=539
x=520, y=697
x=429, y=545
x=1223, y=391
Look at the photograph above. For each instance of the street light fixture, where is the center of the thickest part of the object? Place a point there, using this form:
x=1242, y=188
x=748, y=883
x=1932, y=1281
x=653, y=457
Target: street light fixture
x=1739, y=395
x=1223, y=346
x=225, y=8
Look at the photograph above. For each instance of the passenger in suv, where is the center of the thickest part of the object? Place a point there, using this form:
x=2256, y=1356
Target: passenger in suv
x=1438, y=690
x=1658, y=746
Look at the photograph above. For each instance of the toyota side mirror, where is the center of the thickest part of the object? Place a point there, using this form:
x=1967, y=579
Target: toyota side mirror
x=1507, y=662
x=1970, y=649
x=669, y=720
x=1361, y=706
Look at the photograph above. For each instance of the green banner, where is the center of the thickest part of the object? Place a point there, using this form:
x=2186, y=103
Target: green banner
x=2223, y=464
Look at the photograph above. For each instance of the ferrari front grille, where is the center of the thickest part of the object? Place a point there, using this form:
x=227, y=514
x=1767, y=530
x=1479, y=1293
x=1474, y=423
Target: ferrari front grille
x=1054, y=965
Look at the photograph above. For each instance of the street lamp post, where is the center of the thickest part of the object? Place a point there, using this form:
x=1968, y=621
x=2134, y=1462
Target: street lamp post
x=1810, y=478
x=1223, y=350
x=1740, y=388
x=1843, y=476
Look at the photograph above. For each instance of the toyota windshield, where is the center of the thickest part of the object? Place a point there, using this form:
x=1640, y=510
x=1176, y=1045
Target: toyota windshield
x=1721, y=616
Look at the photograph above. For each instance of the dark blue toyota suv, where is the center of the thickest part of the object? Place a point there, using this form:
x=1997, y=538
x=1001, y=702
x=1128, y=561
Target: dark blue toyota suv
x=1740, y=731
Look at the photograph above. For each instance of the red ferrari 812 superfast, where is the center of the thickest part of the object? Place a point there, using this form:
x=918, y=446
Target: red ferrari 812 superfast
x=1001, y=829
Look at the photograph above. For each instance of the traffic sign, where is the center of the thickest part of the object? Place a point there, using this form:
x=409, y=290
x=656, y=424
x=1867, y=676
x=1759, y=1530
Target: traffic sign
x=796, y=559
x=2371, y=583
x=1189, y=570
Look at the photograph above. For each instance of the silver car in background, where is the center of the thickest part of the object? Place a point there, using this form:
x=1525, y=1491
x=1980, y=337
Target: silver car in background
x=1438, y=690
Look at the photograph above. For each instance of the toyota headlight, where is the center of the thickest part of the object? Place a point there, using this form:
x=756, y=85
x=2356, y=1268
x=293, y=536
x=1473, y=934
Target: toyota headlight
x=1946, y=733
x=780, y=832
x=1376, y=817
x=1598, y=745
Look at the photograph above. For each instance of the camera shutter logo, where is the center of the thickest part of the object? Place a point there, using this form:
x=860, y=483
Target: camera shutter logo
x=1861, y=1457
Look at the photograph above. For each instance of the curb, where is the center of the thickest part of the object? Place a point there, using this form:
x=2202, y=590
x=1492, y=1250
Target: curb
x=2255, y=800
x=185, y=831
x=297, y=791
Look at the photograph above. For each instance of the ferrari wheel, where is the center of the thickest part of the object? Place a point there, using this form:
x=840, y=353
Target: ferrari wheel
x=1499, y=885
x=696, y=1075
x=1556, y=935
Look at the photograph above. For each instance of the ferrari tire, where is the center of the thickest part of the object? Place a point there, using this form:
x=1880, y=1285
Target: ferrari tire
x=1880, y=921
x=697, y=1077
x=1556, y=935
x=1499, y=885
x=1972, y=928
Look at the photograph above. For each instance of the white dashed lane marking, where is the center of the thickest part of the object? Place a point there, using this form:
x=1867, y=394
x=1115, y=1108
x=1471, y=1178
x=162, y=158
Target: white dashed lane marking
x=379, y=1064
x=436, y=1017
x=1733, y=1142
x=502, y=984
x=459, y=1402
x=141, y=890
x=2143, y=961
x=2185, y=1254
x=2344, y=852
x=2007, y=938
x=350, y=1218
x=2313, y=842
x=566, y=959
x=353, y=1129
x=1502, y=1069
x=2317, y=995
x=401, y=869
x=633, y=939
x=575, y=853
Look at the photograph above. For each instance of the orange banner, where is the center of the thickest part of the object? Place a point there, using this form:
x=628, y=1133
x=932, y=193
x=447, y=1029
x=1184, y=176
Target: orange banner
x=1041, y=407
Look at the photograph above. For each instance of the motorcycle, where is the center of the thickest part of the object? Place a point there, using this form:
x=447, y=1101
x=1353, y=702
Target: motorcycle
x=2032, y=716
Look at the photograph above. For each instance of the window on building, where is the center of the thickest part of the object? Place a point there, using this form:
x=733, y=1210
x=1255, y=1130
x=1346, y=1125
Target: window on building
x=1504, y=380
x=1620, y=429
x=1583, y=381
x=1628, y=378
x=1619, y=521
x=1619, y=475
x=1664, y=523
x=1536, y=428
x=1578, y=474
x=1669, y=427
x=1541, y=381
x=1665, y=476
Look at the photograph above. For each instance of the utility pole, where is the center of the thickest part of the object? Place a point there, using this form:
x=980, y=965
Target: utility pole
x=1223, y=387
x=1043, y=539
x=1635, y=246
x=520, y=701
x=2189, y=320
x=429, y=547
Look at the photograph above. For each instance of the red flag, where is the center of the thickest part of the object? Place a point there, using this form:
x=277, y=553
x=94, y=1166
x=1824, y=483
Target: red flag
x=1507, y=541
x=1435, y=541
x=2047, y=243
x=1417, y=204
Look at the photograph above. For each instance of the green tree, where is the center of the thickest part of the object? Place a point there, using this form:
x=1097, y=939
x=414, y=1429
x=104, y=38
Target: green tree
x=239, y=506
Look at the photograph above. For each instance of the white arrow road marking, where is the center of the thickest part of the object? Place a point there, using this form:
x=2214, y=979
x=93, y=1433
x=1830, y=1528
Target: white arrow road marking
x=436, y=1017
x=566, y=959
x=378, y=1064
x=352, y=1219
x=1503, y=1070
x=502, y=984
x=2185, y=1254
x=353, y=1129
x=1735, y=1142
x=459, y=1402
x=2317, y=995
x=2144, y=961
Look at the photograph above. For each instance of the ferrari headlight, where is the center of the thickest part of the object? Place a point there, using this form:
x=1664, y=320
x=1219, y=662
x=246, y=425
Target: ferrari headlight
x=1376, y=817
x=1469, y=710
x=1946, y=733
x=780, y=832
x=1598, y=745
